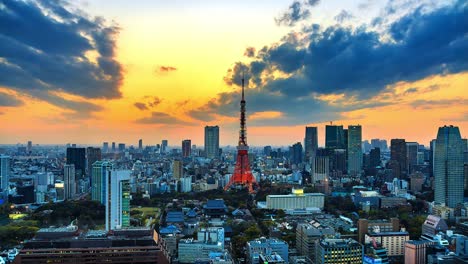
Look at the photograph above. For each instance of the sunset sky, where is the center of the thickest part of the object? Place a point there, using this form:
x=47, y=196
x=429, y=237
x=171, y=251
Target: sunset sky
x=117, y=70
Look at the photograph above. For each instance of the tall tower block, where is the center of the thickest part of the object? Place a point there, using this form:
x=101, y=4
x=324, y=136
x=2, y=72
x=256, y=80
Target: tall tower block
x=242, y=173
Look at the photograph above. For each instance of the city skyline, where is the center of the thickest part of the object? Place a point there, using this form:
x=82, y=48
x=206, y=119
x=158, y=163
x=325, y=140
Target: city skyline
x=126, y=76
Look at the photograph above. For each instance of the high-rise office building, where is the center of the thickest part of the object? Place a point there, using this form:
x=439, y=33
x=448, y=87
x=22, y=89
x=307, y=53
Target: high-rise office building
x=212, y=142
x=140, y=144
x=77, y=157
x=354, y=150
x=105, y=147
x=320, y=168
x=411, y=155
x=448, y=167
x=267, y=151
x=29, y=149
x=98, y=176
x=121, y=147
x=334, y=137
x=69, y=184
x=398, y=157
x=118, y=199
x=186, y=148
x=296, y=153
x=177, y=169
x=4, y=176
x=374, y=158
x=113, y=146
x=92, y=155
x=164, y=144
x=310, y=143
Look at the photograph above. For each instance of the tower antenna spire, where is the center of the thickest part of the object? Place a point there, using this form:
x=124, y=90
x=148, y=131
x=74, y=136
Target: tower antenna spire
x=242, y=174
x=242, y=85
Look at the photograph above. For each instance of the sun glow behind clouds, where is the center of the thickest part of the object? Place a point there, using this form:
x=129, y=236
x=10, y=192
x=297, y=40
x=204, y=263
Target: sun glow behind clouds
x=202, y=42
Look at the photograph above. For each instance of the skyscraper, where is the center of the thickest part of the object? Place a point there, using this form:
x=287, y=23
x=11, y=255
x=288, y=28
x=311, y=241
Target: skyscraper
x=113, y=146
x=4, y=175
x=296, y=153
x=140, y=144
x=69, y=184
x=212, y=142
x=29, y=149
x=177, y=169
x=98, y=184
x=186, y=148
x=105, y=147
x=92, y=155
x=121, y=147
x=164, y=144
x=398, y=157
x=118, y=199
x=374, y=158
x=77, y=157
x=320, y=168
x=448, y=167
x=310, y=143
x=354, y=150
x=334, y=137
x=411, y=155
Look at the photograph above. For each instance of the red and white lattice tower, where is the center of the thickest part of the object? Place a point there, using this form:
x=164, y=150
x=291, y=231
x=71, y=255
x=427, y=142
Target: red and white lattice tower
x=242, y=174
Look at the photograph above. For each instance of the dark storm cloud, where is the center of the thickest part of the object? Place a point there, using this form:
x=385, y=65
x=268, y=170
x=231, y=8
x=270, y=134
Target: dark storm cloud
x=9, y=100
x=343, y=59
x=43, y=49
x=357, y=62
x=160, y=118
x=343, y=16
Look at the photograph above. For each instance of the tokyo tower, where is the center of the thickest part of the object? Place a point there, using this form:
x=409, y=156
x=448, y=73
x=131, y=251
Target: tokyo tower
x=242, y=175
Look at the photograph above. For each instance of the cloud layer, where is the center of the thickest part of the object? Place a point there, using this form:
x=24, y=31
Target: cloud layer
x=359, y=62
x=46, y=48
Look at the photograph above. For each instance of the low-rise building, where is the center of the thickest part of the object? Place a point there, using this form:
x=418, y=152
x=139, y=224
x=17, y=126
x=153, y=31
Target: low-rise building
x=296, y=200
x=264, y=248
x=339, y=251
